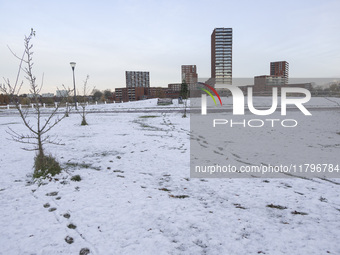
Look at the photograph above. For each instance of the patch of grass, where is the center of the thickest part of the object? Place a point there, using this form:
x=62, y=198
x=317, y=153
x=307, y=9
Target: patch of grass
x=72, y=164
x=239, y=206
x=84, y=122
x=45, y=165
x=178, y=196
x=145, y=125
x=103, y=154
x=76, y=178
x=82, y=165
x=85, y=165
x=164, y=189
x=299, y=213
x=148, y=116
x=280, y=207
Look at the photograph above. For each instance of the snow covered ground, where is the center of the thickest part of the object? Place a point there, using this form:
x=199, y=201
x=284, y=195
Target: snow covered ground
x=135, y=195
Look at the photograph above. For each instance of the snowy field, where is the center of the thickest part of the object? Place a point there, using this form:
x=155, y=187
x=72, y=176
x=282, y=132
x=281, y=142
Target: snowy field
x=135, y=195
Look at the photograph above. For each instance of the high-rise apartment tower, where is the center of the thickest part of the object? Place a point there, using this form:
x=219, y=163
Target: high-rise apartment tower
x=189, y=75
x=221, y=55
x=280, y=68
x=137, y=79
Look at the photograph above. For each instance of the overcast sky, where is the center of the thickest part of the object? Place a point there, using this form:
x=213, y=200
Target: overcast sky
x=107, y=38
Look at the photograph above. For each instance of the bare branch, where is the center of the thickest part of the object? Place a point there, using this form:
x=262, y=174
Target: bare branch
x=54, y=141
x=52, y=125
x=18, y=74
x=42, y=83
x=36, y=132
x=83, y=104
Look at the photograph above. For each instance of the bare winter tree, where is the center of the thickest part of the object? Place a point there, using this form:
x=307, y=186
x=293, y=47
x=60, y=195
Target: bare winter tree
x=66, y=93
x=83, y=104
x=37, y=135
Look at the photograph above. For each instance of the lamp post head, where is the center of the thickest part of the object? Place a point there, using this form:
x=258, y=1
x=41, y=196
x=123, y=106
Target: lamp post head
x=73, y=65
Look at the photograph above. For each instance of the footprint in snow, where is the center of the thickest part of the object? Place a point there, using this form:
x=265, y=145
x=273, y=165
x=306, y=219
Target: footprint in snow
x=52, y=194
x=84, y=251
x=69, y=239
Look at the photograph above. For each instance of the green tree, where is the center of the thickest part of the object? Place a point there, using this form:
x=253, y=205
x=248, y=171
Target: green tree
x=184, y=94
x=334, y=87
x=4, y=99
x=97, y=94
x=108, y=94
x=184, y=90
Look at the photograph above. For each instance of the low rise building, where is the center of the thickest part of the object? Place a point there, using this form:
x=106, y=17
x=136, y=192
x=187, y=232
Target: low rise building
x=264, y=84
x=175, y=86
x=129, y=94
x=47, y=95
x=62, y=93
x=140, y=93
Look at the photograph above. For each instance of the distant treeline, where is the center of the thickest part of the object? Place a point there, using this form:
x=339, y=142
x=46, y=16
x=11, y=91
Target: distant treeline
x=331, y=90
x=24, y=99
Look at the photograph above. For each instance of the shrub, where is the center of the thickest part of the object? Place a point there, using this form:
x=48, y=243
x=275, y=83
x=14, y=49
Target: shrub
x=76, y=178
x=44, y=165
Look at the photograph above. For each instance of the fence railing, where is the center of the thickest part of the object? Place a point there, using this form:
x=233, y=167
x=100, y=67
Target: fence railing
x=55, y=105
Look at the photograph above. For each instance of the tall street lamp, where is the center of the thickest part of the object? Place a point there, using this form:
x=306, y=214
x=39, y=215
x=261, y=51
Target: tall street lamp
x=73, y=65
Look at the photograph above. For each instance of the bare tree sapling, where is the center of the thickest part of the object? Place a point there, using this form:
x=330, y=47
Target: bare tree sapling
x=83, y=103
x=43, y=122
